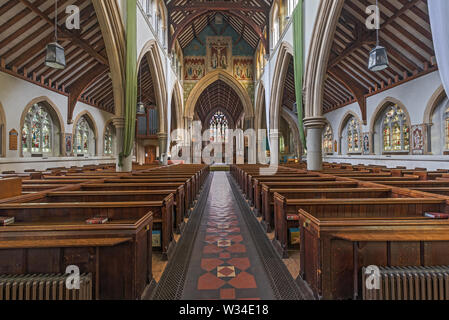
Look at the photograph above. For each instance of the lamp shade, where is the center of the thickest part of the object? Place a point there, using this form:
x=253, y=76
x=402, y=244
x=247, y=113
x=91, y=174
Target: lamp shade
x=140, y=108
x=378, y=59
x=55, y=57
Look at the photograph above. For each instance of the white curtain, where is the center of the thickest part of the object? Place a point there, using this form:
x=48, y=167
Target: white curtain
x=439, y=13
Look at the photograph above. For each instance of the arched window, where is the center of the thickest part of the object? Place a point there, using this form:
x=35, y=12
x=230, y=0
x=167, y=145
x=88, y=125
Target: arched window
x=108, y=141
x=353, y=130
x=281, y=144
x=395, y=131
x=38, y=132
x=328, y=138
x=84, y=138
x=218, y=126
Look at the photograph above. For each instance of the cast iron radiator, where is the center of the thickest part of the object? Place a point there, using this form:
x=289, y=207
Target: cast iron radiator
x=43, y=287
x=406, y=283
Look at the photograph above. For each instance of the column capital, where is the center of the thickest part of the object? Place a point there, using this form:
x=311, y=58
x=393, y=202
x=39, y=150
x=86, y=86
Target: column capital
x=118, y=122
x=315, y=122
x=162, y=135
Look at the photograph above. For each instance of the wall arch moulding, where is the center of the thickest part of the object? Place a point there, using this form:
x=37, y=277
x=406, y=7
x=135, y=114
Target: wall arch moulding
x=92, y=122
x=260, y=105
x=434, y=101
x=277, y=89
x=150, y=52
x=113, y=31
x=318, y=56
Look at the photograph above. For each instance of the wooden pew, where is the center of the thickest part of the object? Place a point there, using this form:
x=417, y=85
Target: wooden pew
x=162, y=206
x=47, y=238
x=314, y=193
x=286, y=210
x=334, y=250
x=268, y=220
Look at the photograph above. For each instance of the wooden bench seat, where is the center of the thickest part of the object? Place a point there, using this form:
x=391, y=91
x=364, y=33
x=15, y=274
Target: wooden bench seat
x=300, y=185
x=293, y=193
x=334, y=251
x=286, y=209
x=47, y=238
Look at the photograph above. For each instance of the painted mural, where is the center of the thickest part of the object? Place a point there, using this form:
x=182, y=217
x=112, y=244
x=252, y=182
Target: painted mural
x=219, y=52
x=195, y=68
x=243, y=68
x=218, y=47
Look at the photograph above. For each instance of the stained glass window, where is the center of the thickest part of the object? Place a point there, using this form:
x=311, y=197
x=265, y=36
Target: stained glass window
x=218, y=126
x=82, y=135
x=395, y=131
x=108, y=138
x=328, y=138
x=37, y=131
x=353, y=135
x=281, y=144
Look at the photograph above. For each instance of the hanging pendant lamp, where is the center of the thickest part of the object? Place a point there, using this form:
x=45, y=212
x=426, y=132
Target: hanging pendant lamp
x=378, y=57
x=55, y=57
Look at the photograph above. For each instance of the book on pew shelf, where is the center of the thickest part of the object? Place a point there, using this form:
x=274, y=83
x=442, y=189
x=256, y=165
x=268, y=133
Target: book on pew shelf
x=294, y=235
x=97, y=220
x=5, y=221
x=436, y=215
x=156, y=236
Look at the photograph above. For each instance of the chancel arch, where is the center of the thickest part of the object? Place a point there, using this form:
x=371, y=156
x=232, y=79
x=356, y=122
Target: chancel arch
x=226, y=80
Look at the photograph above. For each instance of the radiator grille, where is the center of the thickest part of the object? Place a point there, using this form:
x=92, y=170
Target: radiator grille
x=409, y=283
x=43, y=287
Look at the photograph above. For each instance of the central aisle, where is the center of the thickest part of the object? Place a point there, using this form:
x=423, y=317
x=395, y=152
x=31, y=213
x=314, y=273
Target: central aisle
x=224, y=262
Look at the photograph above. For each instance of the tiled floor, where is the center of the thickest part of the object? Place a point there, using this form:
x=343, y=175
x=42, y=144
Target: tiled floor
x=224, y=263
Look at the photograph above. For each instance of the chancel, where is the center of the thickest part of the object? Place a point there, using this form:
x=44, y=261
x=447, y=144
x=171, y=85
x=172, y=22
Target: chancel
x=224, y=150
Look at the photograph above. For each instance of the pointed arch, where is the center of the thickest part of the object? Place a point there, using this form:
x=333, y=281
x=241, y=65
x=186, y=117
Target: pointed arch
x=348, y=115
x=208, y=80
x=292, y=121
x=277, y=89
x=54, y=112
x=113, y=32
x=260, y=105
x=382, y=106
x=150, y=51
x=178, y=103
x=434, y=101
x=91, y=122
x=318, y=56
x=109, y=123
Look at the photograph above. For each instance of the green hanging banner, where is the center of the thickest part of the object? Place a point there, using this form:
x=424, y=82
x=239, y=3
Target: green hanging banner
x=298, y=57
x=131, y=80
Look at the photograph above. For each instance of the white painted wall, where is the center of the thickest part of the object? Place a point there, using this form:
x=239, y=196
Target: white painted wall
x=415, y=95
x=16, y=94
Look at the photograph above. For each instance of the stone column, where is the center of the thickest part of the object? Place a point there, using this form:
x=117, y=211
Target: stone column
x=119, y=124
x=314, y=142
x=162, y=137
